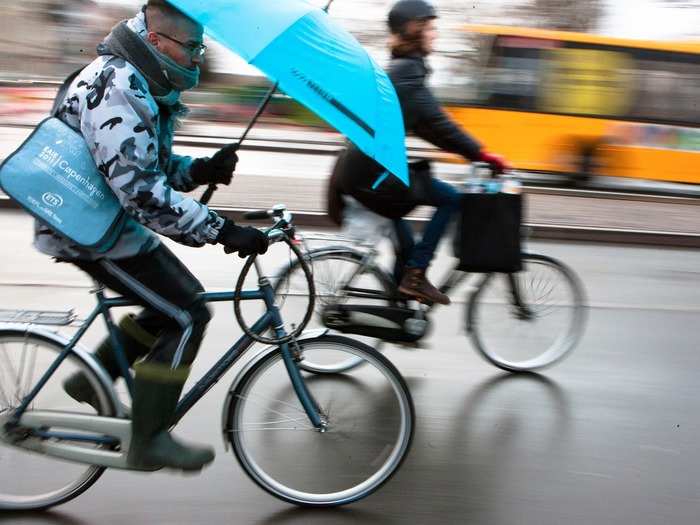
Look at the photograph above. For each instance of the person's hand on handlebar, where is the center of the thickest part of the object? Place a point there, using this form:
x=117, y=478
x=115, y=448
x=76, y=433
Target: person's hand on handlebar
x=217, y=169
x=497, y=163
x=245, y=240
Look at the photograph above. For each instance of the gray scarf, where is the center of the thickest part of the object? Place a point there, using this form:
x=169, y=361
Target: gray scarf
x=166, y=79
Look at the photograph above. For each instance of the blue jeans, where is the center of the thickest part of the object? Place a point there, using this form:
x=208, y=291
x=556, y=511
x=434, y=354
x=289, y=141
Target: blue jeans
x=410, y=254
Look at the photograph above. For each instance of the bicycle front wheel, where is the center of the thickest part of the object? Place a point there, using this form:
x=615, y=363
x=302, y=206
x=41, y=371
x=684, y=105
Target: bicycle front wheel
x=535, y=327
x=31, y=481
x=333, y=270
x=369, y=415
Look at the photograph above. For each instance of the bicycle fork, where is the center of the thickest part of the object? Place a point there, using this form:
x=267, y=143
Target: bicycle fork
x=522, y=311
x=291, y=360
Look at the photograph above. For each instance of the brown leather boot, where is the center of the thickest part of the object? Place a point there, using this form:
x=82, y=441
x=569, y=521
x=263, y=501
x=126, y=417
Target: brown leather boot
x=416, y=284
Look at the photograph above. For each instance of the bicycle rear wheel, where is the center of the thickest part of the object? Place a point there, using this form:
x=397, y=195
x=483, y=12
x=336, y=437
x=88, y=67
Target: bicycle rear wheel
x=538, y=332
x=333, y=271
x=31, y=481
x=369, y=415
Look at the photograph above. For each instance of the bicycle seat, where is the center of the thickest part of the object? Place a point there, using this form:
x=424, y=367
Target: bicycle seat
x=362, y=224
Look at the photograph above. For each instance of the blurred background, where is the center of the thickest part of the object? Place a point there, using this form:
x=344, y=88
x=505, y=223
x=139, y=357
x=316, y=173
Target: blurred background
x=597, y=104
x=574, y=88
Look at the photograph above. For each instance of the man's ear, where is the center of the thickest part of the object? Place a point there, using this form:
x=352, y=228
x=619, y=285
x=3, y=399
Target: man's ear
x=152, y=38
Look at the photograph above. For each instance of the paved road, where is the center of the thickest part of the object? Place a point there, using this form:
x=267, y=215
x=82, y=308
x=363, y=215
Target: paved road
x=607, y=436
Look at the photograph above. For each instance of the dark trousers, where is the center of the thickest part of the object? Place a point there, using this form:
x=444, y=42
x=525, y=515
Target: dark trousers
x=169, y=293
x=410, y=254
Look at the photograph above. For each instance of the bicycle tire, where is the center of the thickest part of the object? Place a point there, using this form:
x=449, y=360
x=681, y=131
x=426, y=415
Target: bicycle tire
x=301, y=446
x=486, y=335
x=74, y=489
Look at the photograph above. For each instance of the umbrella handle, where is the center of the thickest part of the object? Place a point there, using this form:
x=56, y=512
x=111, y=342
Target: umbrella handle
x=206, y=196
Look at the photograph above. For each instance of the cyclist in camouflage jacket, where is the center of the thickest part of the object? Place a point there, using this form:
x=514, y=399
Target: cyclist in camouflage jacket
x=125, y=104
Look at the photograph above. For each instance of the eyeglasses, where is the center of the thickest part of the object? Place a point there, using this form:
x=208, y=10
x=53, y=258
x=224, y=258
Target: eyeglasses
x=193, y=49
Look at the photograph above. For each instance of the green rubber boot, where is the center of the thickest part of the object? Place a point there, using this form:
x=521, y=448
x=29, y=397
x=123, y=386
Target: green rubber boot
x=136, y=341
x=157, y=389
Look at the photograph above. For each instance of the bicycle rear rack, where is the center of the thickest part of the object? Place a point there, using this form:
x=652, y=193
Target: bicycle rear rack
x=45, y=317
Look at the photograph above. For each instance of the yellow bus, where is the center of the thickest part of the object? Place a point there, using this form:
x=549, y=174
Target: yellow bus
x=583, y=105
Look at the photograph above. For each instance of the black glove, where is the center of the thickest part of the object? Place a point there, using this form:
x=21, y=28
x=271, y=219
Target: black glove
x=245, y=240
x=216, y=170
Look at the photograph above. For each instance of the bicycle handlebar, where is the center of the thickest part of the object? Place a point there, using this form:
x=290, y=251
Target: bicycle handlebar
x=276, y=235
x=478, y=182
x=473, y=169
x=257, y=215
x=282, y=219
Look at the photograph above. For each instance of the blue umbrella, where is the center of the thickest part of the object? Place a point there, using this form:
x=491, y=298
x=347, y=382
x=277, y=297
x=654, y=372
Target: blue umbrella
x=316, y=62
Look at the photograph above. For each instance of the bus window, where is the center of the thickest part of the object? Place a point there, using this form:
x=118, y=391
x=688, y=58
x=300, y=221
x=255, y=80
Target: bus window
x=667, y=89
x=586, y=81
x=512, y=75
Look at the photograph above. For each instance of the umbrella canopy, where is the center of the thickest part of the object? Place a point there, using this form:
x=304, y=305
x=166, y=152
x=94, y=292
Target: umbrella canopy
x=316, y=62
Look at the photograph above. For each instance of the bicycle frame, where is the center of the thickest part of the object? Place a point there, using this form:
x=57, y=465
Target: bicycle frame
x=451, y=280
x=270, y=319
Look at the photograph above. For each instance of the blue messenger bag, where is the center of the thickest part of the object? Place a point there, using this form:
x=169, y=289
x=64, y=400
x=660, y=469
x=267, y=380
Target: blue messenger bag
x=53, y=176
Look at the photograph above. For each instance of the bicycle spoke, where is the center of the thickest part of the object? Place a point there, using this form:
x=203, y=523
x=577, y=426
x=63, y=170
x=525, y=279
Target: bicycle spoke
x=5, y=398
x=261, y=429
x=30, y=376
x=32, y=369
x=279, y=401
x=20, y=373
x=544, y=301
x=542, y=291
x=281, y=414
x=12, y=374
x=272, y=425
x=276, y=422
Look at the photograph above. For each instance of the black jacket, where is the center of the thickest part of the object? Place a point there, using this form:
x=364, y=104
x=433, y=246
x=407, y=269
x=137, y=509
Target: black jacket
x=355, y=172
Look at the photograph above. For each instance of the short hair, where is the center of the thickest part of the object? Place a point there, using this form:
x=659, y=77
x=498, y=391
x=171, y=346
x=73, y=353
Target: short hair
x=166, y=9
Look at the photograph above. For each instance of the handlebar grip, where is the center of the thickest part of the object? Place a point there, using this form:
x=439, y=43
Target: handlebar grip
x=256, y=215
x=206, y=196
x=275, y=236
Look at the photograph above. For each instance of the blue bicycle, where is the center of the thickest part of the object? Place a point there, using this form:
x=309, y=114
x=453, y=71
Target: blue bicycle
x=308, y=439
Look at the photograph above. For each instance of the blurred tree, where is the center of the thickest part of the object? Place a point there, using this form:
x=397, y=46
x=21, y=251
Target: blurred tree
x=563, y=15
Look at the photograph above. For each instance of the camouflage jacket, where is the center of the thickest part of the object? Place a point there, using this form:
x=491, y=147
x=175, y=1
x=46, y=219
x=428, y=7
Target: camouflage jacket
x=130, y=137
